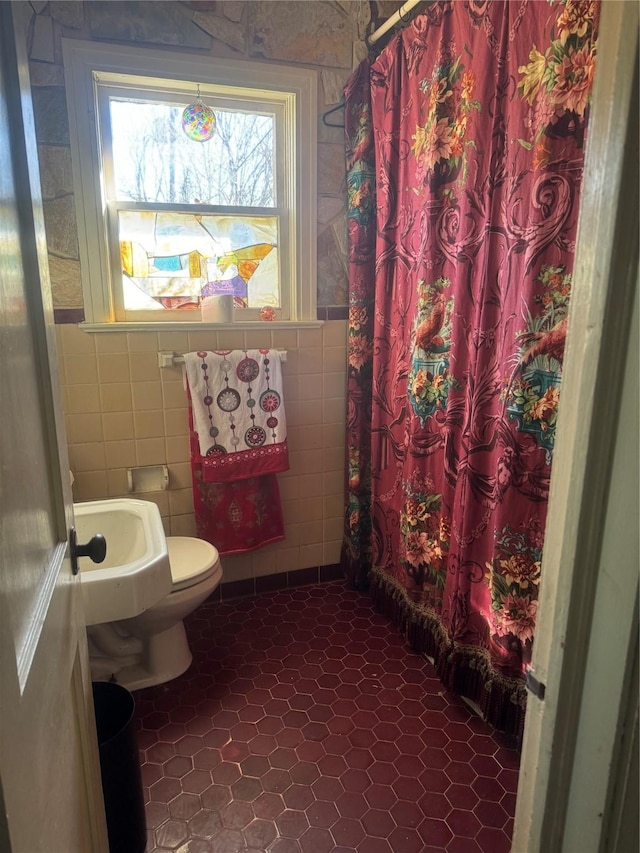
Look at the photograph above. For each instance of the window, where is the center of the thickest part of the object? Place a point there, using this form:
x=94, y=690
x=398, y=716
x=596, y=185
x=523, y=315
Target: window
x=166, y=220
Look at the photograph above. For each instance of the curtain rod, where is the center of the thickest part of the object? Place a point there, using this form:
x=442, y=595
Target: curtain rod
x=376, y=35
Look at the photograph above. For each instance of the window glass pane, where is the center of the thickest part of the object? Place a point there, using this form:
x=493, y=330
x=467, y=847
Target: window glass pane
x=155, y=161
x=171, y=260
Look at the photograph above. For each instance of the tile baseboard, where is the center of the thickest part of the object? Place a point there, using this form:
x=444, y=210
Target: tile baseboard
x=272, y=583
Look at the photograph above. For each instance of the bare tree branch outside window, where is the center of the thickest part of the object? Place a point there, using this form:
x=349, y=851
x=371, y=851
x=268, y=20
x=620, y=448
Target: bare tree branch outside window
x=155, y=161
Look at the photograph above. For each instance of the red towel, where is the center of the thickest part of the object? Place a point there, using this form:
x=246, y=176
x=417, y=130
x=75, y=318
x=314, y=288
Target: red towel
x=243, y=513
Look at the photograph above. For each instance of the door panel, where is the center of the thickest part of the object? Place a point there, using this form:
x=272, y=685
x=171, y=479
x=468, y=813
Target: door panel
x=30, y=525
x=49, y=771
x=587, y=613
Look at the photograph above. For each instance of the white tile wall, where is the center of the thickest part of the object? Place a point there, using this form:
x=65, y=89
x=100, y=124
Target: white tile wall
x=122, y=411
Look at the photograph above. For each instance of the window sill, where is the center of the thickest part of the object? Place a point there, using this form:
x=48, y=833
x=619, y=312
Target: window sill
x=198, y=326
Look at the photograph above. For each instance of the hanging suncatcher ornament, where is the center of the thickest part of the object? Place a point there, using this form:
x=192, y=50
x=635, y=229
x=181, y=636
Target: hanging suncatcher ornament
x=198, y=120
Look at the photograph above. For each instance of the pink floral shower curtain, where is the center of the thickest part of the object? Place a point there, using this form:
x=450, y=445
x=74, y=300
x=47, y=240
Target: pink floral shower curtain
x=464, y=155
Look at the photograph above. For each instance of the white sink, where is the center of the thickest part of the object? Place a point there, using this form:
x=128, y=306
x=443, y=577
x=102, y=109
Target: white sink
x=136, y=572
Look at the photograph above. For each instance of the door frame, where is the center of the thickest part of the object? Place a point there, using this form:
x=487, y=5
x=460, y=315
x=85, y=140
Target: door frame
x=564, y=750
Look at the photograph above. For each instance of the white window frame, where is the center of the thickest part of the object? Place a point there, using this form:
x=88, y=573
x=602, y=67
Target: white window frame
x=280, y=108
x=88, y=62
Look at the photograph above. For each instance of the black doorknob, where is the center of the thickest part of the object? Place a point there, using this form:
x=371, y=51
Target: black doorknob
x=95, y=549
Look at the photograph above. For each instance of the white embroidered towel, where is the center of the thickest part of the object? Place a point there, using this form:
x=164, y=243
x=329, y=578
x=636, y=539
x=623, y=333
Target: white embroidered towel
x=238, y=412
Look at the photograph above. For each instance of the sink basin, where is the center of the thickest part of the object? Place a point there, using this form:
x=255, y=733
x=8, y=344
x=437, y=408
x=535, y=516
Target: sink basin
x=136, y=572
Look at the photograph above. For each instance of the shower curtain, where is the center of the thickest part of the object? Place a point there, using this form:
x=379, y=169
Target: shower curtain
x=465, y=141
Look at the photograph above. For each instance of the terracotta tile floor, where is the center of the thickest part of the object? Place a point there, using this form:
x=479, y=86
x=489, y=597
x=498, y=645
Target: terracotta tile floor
x=305, y=725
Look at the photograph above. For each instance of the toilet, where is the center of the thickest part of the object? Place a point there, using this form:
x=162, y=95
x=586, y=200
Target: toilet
x=151, y=648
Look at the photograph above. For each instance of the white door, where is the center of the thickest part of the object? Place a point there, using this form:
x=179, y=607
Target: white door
x=50, y=793
x=577, y=770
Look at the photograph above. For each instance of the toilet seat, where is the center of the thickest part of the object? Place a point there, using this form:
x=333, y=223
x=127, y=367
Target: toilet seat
x=192, y=560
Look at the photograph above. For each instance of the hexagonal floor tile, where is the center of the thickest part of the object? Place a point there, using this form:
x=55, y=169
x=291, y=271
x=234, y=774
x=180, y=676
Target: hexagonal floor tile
x=306, y=725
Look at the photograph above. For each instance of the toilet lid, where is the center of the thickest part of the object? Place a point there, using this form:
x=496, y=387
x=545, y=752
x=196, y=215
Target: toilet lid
x=191, y=560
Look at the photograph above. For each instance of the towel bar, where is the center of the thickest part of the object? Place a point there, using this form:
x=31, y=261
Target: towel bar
x=168, y=358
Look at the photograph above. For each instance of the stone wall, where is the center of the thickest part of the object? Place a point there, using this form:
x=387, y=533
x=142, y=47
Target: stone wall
x=328, y=36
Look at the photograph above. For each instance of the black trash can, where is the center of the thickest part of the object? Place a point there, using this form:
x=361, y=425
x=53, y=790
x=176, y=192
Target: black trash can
x=120, y=767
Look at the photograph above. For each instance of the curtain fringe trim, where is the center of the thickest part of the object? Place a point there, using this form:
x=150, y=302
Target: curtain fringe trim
x=463, y=669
